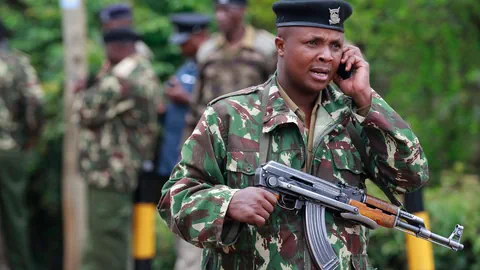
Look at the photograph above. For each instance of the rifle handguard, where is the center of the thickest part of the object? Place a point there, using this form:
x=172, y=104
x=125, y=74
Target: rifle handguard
x=381, y=204
x=376, y=215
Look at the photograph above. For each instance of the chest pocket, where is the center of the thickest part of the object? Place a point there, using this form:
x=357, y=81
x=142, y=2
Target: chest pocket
x=348, y=167
x=241, y=166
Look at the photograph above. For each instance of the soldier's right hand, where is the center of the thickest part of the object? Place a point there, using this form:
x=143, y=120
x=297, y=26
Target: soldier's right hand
x=176, y=93
x=252, y=205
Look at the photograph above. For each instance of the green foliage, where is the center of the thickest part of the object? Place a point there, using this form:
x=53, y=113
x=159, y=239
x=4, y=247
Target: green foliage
x=424, y=60
x=446, y=209
x=151, y=18
x=165, y=247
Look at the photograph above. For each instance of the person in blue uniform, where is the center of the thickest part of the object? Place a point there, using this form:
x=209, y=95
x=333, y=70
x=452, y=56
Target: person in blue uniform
x=190, y=32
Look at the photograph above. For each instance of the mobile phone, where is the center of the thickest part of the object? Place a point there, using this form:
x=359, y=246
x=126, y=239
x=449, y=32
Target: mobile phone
x=343, y=73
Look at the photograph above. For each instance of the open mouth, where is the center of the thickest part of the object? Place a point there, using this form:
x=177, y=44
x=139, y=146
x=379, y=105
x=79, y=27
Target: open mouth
x=320, y=73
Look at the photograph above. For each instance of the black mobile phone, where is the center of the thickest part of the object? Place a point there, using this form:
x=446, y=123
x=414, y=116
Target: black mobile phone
x=343, y=73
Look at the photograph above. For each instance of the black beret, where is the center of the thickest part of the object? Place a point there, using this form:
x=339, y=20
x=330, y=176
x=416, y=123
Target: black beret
x=232, y=2
x=4, y=31
x=120, y=34
x=115, y=12
x=330, y=14
x=187, y=24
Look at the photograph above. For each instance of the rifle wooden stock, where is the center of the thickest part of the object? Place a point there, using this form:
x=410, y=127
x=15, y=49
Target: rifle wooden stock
x=382, y=219
x=382, y=205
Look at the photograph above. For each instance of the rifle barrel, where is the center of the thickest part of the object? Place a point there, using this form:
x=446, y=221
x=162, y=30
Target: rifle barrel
x=422, y=232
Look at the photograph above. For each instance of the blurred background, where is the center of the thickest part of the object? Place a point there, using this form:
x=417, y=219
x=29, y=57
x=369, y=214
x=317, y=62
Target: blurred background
x=424, y=57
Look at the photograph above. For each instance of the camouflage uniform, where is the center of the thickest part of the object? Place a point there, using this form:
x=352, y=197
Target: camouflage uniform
x=222, y=154
x=223, y=70
x=20, y=123
x=143, y=49
x=117, y=118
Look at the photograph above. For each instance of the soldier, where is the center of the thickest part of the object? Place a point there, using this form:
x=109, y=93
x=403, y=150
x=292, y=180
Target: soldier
x=191, y=32
x=21, y=101
x=300, y=119
x=120, y=16
x=237, y=57
x=117, y=122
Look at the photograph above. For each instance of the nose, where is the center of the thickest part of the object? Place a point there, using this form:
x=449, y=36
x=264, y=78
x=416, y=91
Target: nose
x=325, y=55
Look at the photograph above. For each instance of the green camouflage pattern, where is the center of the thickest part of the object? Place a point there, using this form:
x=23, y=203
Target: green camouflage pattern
x=6, y=140
x=221, y=155
x=222, y=71
x=117, y=119
x=21, y=101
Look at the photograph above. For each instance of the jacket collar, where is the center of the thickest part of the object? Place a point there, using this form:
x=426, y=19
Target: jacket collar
x=247, y=41
x=278, y=113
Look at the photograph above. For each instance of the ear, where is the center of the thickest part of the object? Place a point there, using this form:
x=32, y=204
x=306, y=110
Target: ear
x=280, y=44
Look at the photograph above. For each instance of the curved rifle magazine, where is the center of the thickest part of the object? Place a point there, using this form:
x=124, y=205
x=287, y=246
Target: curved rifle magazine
x=317, y=239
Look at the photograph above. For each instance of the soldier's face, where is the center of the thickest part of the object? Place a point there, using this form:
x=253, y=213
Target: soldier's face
x=310, y=56
x=118, y=50
x=229, y=17
x=189, y=47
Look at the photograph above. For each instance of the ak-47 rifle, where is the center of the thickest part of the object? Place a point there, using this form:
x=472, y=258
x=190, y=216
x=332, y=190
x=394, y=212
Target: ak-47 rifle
x=349, y=202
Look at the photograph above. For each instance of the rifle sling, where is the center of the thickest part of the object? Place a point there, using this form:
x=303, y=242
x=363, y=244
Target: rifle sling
x=265, y=139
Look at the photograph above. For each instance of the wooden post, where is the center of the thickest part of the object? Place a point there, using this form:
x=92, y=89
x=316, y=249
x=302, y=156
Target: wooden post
x=73, y=188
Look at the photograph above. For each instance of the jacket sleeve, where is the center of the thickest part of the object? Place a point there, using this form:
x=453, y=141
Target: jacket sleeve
x=395, y=154
x=32, y=96
x=195, y=200
x=110, y=98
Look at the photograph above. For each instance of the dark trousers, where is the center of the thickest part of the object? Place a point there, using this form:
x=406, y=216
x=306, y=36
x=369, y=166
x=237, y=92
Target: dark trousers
x=109, y=231
x=13, y=209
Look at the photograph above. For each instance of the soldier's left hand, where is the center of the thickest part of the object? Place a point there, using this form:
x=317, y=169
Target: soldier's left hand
x=358, y=85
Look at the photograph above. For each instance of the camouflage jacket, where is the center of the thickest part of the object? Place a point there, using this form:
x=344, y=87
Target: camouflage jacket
x=21, y=115
x=221, y=156
x=117, y=118
x=6, y=140
x=222, y=70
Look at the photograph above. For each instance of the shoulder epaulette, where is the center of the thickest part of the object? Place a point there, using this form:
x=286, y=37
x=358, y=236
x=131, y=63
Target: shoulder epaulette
x=242, y=92
x=264, y=42
x=125, y=67
x=207, y=48
x=21, y=54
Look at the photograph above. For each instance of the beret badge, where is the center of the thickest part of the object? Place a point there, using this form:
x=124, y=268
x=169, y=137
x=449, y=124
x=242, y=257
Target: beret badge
x=334, y=15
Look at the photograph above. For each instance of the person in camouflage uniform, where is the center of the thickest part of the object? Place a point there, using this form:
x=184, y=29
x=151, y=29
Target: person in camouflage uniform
x=298, y=118
x=239, y=56
x=117, y=120
x=21, y=102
